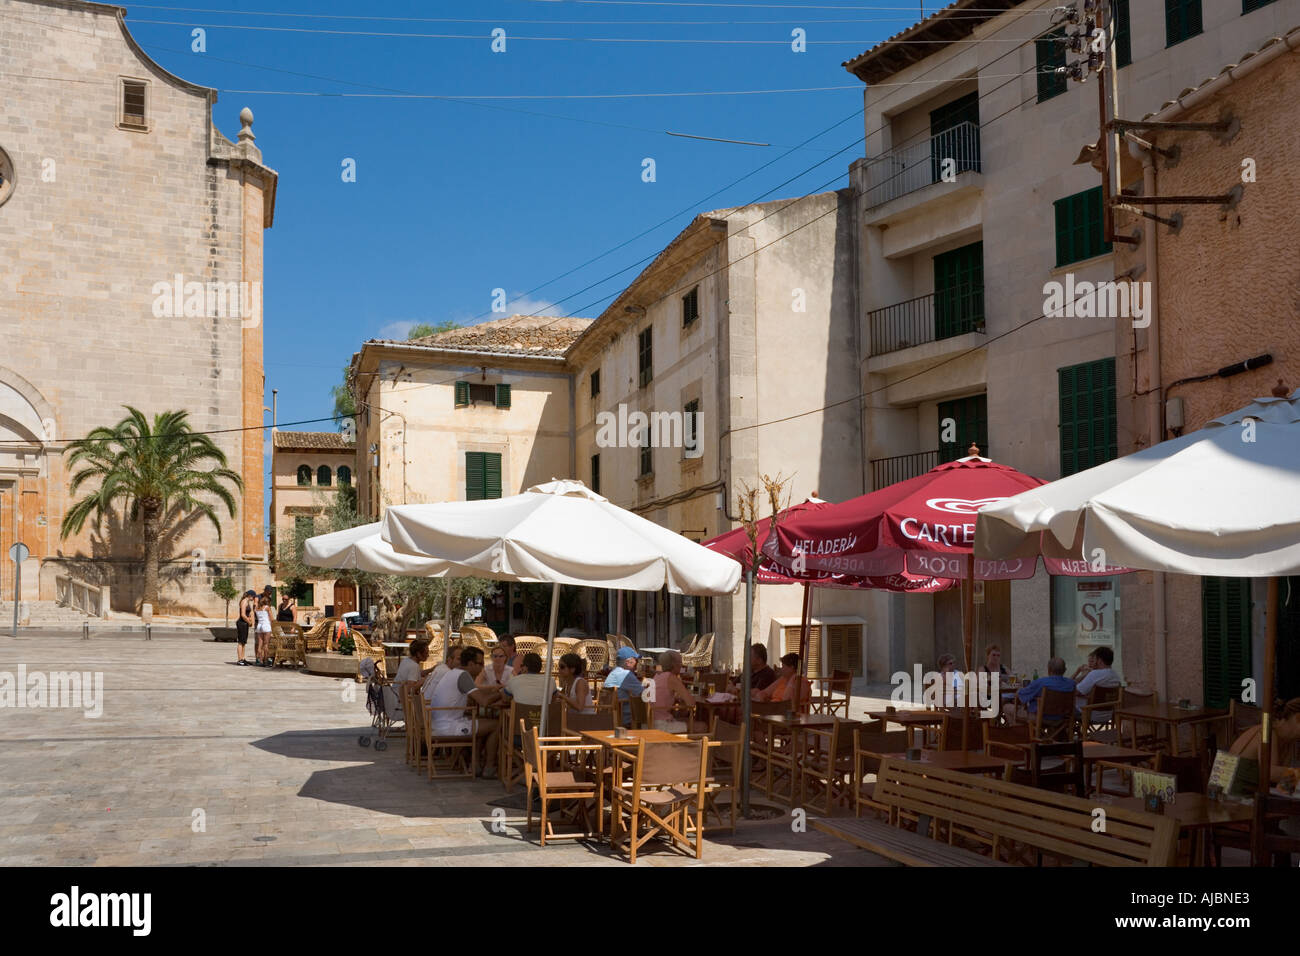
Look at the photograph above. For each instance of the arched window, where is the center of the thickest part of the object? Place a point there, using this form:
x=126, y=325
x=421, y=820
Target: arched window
x=304, y=474
x=323, y=476
x=345, y=475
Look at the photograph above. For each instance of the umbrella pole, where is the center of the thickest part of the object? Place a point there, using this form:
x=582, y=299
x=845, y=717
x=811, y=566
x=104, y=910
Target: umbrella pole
x=446, y=611
x=1270, y=650
x=746, y=709
x=803, y=631
x=967, y=625
x=550, y=652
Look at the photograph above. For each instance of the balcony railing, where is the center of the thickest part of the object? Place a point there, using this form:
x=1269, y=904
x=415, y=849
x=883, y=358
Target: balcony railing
x=941, y=315
x=888, y=471
x=909, y=168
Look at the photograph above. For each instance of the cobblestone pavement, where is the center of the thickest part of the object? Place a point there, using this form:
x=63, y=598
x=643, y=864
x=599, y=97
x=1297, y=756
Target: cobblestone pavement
x=194, y=761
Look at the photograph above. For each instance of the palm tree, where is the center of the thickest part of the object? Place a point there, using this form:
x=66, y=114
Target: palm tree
x=155, y=471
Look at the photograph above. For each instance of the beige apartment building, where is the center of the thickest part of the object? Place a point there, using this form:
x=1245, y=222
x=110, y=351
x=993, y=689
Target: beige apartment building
x=974, y=197
x=308, y=470
x=131, y=230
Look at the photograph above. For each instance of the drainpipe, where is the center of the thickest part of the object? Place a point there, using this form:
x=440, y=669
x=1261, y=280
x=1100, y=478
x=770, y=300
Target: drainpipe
x=1155, y=397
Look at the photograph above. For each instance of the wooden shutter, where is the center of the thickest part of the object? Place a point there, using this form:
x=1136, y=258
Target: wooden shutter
x=462, y=394
x=971, y=417
x=1080, y=227
x=1048, y=55
x=1226, y=632
x=958, y=290
x=845, y=642
x=474, y=470
x=595, y=473
x=1088, y=426
x=791, y=632
x=492, y=475
x=503, y=396
x=1123, y=32
x=1182, y=20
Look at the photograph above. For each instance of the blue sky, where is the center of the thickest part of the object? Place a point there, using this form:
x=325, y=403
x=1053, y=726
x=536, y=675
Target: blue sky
x=452, y=200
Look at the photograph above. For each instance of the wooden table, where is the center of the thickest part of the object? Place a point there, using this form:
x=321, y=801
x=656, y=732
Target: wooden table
x=1170, y=716
x=724, y=709
x=796, y=724
x=963, y=760
x=911, y=720
x=1195, y=813
x=607, y=740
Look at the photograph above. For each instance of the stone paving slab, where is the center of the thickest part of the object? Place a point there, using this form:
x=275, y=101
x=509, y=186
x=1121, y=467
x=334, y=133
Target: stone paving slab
x=197, y=762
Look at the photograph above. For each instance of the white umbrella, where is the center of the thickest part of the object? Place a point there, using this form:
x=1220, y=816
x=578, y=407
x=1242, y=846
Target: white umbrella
x=362, y=549
x=561, y=532
x=1222, y=500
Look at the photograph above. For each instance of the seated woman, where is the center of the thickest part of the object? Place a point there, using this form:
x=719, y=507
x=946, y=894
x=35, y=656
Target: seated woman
x=498, y=671
x=1286, y=731
x=668, y=692
x=574, y=689
x=788, y=686
x=950, y=682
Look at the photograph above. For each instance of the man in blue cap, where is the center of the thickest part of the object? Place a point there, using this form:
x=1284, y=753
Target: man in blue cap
x=623, y=677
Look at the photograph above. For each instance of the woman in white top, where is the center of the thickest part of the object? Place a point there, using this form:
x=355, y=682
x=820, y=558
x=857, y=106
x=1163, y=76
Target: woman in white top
x=498, y=671
x=263, y=630
x=574, y=689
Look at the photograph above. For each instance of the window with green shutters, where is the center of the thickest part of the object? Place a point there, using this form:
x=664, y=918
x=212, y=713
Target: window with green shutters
x=482, y=475
x=1123, y=33
x=959, y=291
x=1225, y=630
x=645, y=355
x=1080, y=229
x=462, y=394
x=1087, y=410
x=1249, y=6
x=1049, y=53
x=503, y=396
x=970, y=420
x=690, y=306
x=1182, y=20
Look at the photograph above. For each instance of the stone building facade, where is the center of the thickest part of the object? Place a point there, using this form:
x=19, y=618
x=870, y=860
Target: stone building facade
x=131, y=231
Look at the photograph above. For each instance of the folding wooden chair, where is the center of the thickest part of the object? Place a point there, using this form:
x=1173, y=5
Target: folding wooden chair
x=725, y=743
x=826, y=766
x=667, y=789
x=1054, y=719
x=556, y=785
x=868, y=748
x=1097, y=717
x=827, y=702
x=1069, y=774
x=453, y=747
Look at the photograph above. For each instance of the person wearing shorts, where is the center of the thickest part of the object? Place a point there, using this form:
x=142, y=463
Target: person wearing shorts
x=244, y=624
x=263, y=628
x=457, y=691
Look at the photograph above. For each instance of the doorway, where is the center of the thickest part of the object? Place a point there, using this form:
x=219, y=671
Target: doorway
x=345, y=597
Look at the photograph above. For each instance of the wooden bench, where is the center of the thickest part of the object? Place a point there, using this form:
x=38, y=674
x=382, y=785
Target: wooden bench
x=1009, y=816
x=902, y=846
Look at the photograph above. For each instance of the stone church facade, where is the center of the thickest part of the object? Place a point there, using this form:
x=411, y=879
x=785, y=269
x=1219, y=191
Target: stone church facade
x=131, y=240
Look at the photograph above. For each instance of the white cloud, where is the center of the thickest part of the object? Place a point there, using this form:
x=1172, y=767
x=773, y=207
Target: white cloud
x=397, y=330
x=526, y=305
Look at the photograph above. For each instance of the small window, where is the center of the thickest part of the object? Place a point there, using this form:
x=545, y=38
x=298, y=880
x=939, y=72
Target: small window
x=324, y=477
x=1080, y=227
x=345, y=476
x=482, y=475
x=647, y=465
x=595, y=383
x=134, y=104
x=1182, y=20
x=474, y=393
x=690, y=306
x=645, y=355
x=595, y=473
x=691, y=429
x=304, y=475
x=1049, y=54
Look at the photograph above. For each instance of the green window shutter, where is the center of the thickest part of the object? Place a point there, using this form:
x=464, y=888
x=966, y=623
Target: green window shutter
x=1182, y=20
x=503, y=396
x=959, y=291
x=1123, y=33
x=972, y=425
x=1080, y=227
x=1048, y=55
x=474, y=476
x=492, y=475
x=1250, y=6
x=462, y=394
x=1087, y=407
x=1226, y=637
x=595, y=473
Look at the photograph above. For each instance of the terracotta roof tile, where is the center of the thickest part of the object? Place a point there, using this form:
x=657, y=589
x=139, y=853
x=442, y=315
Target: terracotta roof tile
x=516, y=335
x=318, y=441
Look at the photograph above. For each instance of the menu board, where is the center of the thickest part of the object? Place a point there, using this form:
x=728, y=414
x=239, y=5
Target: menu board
x=1147, y=782
x=1234, y=775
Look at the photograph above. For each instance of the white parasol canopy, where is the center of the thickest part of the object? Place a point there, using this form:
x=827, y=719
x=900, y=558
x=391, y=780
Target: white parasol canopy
x=362, y=549
x=1222, y=500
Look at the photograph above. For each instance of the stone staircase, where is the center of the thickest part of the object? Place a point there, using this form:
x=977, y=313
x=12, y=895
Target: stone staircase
x=42, y=614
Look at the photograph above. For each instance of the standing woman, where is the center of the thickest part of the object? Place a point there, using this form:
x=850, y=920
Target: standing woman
x=264, y=630
x=288, y=606
x=574, y=689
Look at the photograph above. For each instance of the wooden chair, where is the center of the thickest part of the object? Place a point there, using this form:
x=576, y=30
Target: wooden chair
x=1190, y=771
x=826, y=766
x=556, y=785
x=1069, y=774
x=510, y=761
x=364, y=649
x=667, y=788
x=458, y=751
x=1097, y=717
x=724, y=768
x=1269, y=845
x=1010, y=742
x=1241, y=717
x=869, y=746
x=1139, y=741
x=642, y=719
x=1054, y=718
x=827, y=702
x=411, y=711
x=955, y=721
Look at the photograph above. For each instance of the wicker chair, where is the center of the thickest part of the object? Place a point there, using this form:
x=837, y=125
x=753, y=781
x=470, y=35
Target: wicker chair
x=365, y=649
x=703, y=655
x=595, y=653
x=286, y=643
x=472, y=636
x=317, y=639
x=531, y=645
x=691, y=644
x=437, y=639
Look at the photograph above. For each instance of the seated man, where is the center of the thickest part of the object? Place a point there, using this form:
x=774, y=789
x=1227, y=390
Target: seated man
x=1029, y=694
x=530, y=687
x=623, y=678
x=1101, y=675
x=458, y=691
x=452, y=659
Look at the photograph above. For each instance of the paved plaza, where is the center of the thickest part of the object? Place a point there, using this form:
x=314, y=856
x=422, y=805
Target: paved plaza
x=194, y=761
